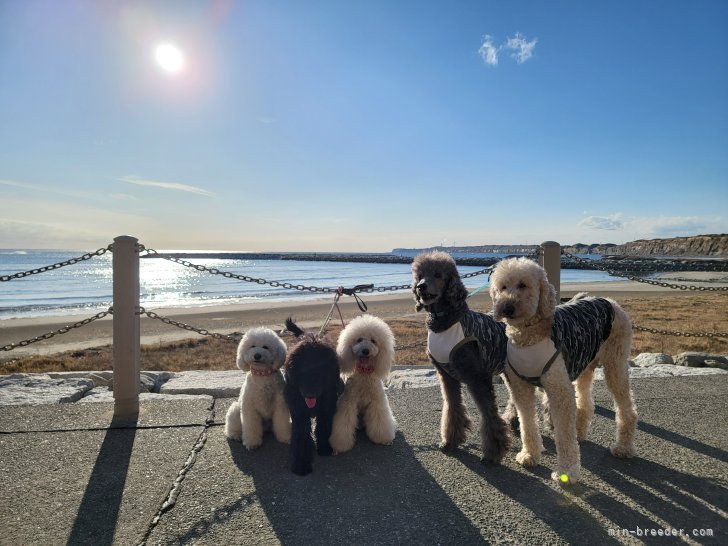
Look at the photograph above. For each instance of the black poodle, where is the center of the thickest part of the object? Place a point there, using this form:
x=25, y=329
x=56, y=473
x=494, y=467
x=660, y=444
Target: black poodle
x=465, y=347
x=313, y=385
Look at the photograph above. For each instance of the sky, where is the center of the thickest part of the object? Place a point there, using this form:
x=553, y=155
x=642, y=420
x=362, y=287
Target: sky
x=361, y=126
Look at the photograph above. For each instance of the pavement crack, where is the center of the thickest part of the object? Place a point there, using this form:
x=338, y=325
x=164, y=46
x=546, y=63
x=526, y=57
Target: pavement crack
x=171, y=500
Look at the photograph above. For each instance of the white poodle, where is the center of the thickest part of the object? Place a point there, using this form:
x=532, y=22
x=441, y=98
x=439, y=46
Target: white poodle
x=550, y=346
x=261, y=404
x=366, y=353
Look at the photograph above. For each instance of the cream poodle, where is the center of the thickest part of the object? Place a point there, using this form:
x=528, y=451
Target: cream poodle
x=550, y=346
x=261, y=405
x=366, y=353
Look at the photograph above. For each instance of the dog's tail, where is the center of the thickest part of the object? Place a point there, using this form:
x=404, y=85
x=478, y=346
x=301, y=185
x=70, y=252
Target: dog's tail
x=293, y=328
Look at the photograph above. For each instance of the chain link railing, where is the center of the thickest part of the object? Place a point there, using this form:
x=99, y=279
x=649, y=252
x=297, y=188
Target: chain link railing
x=60, y=331
x=653, y=282
x=324, y=290
x=72, y=261
x=679, y=334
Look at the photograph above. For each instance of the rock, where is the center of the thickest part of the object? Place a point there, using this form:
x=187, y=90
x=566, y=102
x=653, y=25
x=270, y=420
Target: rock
x=644, y=360
x=100, y=394
x=33, y=389
x=701, y=360
x=220, y=384
x=412, y=378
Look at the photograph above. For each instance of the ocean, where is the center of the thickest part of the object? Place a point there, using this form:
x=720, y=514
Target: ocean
x=86, y=287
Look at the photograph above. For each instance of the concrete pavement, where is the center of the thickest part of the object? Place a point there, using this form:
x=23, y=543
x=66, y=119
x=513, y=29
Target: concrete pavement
x=70, y=474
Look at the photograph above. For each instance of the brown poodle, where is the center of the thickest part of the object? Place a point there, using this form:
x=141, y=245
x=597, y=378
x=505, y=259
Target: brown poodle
x=465, y=347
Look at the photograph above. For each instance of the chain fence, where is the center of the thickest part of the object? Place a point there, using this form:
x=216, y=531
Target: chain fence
x=235, y=337
x=592, y=265
x=72, y=261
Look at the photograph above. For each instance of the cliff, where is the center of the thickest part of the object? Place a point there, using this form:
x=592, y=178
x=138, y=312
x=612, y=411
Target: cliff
x=715, y=246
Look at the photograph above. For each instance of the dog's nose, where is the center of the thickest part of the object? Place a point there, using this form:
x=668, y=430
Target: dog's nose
x=365, y=352
x=257, y=356
x=509, y=310
x=422, y=286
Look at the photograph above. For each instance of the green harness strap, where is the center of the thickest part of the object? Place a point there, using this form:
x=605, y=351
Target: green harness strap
x=536, y=381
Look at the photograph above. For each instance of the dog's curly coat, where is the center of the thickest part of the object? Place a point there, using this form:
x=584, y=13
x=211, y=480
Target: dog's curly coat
x=312, y=387
x=366, y=354
x=260, y=406
x=438, y=289
x=601, y=333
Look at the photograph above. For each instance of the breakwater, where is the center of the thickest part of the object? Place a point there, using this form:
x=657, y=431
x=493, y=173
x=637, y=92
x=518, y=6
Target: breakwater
x=621, y=264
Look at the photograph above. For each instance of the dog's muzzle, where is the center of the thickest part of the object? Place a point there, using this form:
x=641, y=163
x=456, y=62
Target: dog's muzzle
x=423, y=294
x=508, y=310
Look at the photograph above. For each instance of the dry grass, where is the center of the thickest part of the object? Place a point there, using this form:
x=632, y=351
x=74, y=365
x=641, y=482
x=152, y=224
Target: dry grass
x=685, y=313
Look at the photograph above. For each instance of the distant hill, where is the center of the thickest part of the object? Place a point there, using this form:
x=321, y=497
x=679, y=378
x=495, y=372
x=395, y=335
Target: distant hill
x=715, y=246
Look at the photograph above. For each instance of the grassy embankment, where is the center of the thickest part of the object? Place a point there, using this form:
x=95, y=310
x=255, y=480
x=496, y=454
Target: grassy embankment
x=694, y=313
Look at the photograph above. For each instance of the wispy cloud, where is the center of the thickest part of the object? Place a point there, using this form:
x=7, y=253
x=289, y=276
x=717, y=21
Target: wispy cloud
x=610, y=223
x=174, y=186
x=488, y=51
x=522, y=48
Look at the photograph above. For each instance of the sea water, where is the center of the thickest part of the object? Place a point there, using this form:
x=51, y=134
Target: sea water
x=86, y=287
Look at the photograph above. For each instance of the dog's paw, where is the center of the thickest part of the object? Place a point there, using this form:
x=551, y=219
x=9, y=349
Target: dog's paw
x=233, y=436
x=252, y=446
x=526, y=459
x=302, y=469
x=447, y=446
x=566, y=476
x=622, y=452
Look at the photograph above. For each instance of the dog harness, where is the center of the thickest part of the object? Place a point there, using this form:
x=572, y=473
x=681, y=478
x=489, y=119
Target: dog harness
x=579, y=329
x=488, y=333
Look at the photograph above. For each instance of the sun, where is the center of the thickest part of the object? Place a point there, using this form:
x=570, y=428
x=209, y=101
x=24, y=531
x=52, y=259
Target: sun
x=169, y=57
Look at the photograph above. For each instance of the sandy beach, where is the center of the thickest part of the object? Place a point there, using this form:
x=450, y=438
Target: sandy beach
x=236, y=318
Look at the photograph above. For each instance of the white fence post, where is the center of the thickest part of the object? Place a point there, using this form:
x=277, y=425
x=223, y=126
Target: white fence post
x=550, y=260
x=126, y=326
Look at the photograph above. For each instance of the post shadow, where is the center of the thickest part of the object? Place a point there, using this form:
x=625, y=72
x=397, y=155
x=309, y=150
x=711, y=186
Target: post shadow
x=680, y=499
x=98, y=513
x=569, y=521
x=670, y=436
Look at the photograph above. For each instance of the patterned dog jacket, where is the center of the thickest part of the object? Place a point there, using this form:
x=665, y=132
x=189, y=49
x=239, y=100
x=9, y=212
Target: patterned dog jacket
x=489, y=334
x=580, y=327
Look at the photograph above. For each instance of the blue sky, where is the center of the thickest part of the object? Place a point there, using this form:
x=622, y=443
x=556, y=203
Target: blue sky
x=362, y=126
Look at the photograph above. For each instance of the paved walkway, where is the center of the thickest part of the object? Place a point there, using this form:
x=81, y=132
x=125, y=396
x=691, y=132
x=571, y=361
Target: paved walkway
x=70, y=474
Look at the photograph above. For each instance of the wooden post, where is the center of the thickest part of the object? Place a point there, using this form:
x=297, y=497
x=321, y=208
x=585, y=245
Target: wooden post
x=126, y=327
x=550, y=260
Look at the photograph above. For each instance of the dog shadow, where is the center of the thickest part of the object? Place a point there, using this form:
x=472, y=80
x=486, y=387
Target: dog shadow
x=373, y=494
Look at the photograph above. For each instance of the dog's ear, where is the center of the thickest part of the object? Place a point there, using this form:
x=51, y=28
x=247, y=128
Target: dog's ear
x=385, y=357
x=546, y=297
x=346, y=358
x=455, y=291
x=240, y=359
x=280, y=349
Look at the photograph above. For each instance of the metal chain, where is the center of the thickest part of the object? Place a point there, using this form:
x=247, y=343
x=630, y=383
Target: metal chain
x=679, y=334
x=60, y=331
x=203, y=332
x=592, y=265
x=72, y=261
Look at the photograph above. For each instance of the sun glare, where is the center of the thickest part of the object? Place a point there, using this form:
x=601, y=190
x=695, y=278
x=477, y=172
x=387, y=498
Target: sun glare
x=169, y=57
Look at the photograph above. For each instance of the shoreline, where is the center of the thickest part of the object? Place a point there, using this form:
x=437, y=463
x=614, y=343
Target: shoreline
x=231, y=318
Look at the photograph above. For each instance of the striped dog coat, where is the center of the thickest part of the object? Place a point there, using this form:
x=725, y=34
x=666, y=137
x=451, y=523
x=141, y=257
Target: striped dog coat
x=579, y=329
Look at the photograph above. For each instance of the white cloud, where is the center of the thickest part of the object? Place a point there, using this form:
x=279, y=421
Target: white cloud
x=175, y=186
x=523, y=49
x=488, y=51
x=611, y=223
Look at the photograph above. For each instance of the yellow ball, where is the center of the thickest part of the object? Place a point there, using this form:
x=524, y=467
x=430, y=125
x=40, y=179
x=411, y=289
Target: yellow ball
x=564, y=478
